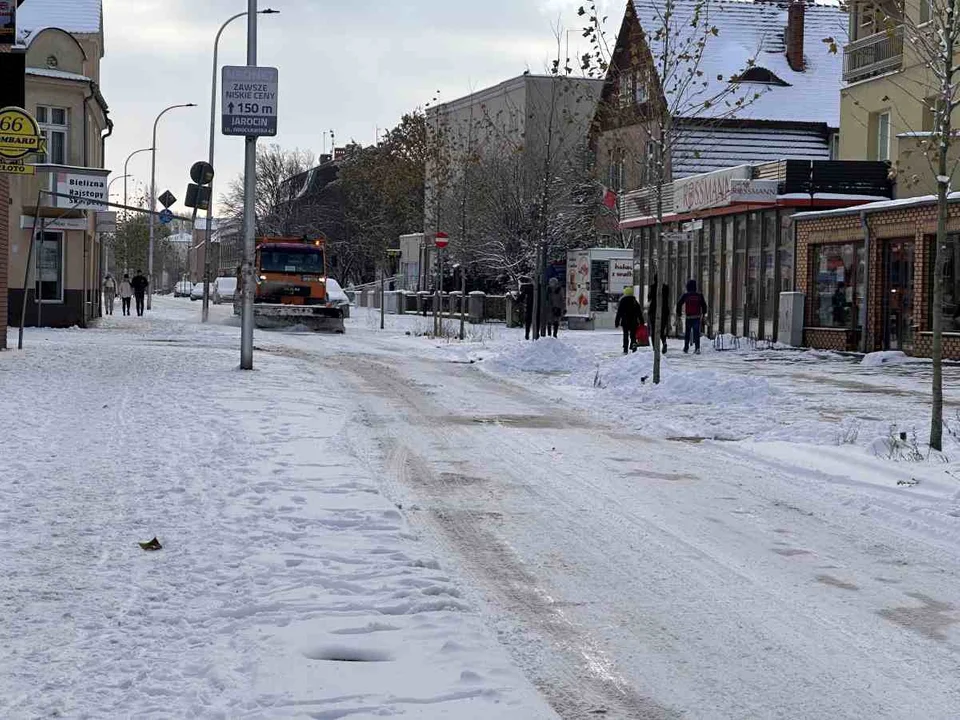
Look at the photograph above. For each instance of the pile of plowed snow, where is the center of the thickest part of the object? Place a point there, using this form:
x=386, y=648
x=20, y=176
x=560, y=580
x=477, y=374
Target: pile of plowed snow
x=547, y=355
x=632, y=376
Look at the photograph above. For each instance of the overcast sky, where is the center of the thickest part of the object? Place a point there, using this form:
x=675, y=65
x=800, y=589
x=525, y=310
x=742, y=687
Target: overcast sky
x=350, y=67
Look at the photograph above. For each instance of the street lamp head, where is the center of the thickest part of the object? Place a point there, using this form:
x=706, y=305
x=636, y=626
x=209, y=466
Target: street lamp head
x=268, y=11
x=190, y=105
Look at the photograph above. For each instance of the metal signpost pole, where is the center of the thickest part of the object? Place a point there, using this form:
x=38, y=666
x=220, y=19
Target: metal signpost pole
x=249, y=217
x=382, y=294
x=153, y=198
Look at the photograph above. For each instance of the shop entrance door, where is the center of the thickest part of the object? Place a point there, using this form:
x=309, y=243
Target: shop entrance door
x=898, y=299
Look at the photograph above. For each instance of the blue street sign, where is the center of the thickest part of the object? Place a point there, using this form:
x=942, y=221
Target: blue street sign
x=165, y=216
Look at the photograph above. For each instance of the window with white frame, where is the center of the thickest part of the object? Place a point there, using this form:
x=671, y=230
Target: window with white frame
x=55, y=127
x=49, y=271
x=640, y=94
x=883, y=136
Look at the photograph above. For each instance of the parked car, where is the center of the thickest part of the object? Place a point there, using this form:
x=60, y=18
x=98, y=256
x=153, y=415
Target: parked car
x=197, y=292
x=224, y=289
x=182, y=289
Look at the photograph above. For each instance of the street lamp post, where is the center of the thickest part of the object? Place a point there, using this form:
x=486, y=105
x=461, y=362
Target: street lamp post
x=153, y=195
x=126, y=241
x=126, y=170
x=106, y=250
x=213, y=135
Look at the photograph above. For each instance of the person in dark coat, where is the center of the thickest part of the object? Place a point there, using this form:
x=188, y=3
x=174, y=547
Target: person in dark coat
x=694, y=305
x=140, y=285
x=663, y=317
x=555, y=306
x=526, y=298
x=629, y=317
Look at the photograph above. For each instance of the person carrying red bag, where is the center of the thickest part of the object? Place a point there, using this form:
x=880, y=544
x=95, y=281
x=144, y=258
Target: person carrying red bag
x=629, y=317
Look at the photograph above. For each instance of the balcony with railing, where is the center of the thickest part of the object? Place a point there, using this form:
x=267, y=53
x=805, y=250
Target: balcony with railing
x=873, y=55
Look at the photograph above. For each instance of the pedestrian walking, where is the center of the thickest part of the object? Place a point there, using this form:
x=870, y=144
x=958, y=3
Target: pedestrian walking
x=629, y=317
x=109, y=293
x=694, y=306
x=526, y=299
x=555, y=305
x=663, y=317
x=126, y=292
x=140, y=285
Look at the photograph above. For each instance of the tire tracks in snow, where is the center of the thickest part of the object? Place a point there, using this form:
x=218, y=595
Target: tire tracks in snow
x=760, y=596
x=566, y=664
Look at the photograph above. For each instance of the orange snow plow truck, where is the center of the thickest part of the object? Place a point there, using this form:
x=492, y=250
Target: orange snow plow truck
x=292, y=286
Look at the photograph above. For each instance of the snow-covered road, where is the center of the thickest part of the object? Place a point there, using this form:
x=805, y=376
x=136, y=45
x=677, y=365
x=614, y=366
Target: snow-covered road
x=380, y=497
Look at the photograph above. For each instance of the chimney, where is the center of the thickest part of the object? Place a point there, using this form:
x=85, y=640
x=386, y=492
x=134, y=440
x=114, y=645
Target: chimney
x=794, y=35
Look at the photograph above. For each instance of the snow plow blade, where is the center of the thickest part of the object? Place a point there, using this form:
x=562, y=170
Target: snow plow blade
x=315, y=317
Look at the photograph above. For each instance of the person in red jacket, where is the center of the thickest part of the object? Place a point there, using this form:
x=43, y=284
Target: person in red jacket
x=694, y=306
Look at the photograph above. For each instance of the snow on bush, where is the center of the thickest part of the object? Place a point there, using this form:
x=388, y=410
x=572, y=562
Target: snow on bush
x=547, y=355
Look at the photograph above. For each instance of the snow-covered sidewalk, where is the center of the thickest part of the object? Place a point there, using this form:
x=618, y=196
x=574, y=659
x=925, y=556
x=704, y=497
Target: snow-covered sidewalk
x=287, y=585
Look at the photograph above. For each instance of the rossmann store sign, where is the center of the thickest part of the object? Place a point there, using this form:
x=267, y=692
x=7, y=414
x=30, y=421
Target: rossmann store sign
x=721, y=188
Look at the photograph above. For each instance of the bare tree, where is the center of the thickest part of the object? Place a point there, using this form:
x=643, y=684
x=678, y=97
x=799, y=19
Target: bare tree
x=517, y=176
x=131, y=243
x=276, y=212
x=666, y=62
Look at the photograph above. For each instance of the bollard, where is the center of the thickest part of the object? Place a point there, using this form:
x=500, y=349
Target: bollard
x=475, y=310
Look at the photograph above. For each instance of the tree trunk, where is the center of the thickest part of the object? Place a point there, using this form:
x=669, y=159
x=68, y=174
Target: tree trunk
x=943, y=183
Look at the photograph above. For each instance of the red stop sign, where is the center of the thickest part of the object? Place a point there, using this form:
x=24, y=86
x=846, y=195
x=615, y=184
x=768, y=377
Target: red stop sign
x=441, y=240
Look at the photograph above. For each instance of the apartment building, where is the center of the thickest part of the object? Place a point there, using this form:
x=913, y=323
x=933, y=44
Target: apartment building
x=886, y=103
x=501, y=142
x=64, y=47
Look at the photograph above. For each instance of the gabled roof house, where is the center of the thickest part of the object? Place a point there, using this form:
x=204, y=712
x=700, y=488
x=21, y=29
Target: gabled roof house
x=742, y=82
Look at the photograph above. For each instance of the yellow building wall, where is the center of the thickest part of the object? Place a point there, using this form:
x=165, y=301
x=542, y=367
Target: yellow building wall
x=80, y=56
x=903, y=94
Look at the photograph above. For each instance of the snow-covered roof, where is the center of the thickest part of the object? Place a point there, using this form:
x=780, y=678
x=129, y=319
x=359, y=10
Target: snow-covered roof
x=752, y=31
x=873, y=207
x=186, y=238
x=56, y=74
x=703, y=148
x=74, y=16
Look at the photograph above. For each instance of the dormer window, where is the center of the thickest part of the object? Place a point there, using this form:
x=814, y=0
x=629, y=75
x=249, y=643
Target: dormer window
x=759, y=76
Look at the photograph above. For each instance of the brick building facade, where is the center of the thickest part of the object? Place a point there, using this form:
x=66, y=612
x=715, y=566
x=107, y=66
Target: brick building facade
x=867, y=274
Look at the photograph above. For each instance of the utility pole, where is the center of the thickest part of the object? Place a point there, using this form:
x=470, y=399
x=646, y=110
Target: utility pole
x=249, y=211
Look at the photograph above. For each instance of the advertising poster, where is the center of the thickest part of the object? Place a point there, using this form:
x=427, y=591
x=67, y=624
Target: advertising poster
x=578, y=282
x=621, y=276
x=8, y=22
x=599, y=284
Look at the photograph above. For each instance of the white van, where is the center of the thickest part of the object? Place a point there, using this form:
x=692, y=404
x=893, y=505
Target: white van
x=224, y=289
